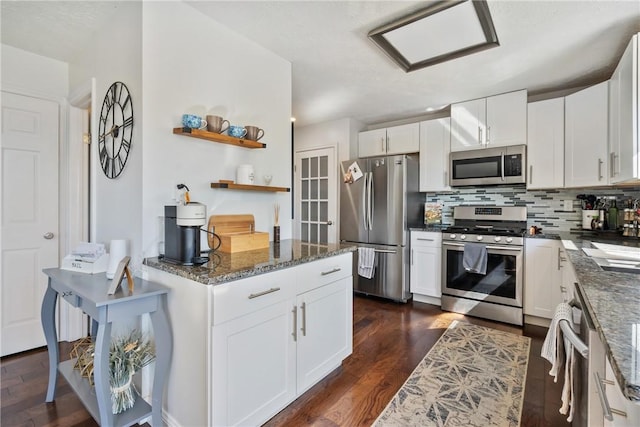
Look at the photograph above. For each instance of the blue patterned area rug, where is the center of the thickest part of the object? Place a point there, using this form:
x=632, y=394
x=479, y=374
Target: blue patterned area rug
x=473, y=376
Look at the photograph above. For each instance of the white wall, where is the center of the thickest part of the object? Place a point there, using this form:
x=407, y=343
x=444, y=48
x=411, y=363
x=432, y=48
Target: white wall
x=115, y=54
x=337, y=133
x=31, y=74
x=192, y=64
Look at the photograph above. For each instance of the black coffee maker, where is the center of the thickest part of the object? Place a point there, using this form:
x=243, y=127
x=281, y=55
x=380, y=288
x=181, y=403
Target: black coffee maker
x=182, y=233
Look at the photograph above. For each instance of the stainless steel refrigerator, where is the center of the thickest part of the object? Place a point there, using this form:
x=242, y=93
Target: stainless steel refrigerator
x=377, y=211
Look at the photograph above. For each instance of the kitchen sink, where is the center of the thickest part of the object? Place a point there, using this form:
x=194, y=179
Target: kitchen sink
x=623, y=259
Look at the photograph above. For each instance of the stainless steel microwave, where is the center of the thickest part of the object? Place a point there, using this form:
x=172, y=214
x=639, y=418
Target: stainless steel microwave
x=489, y=166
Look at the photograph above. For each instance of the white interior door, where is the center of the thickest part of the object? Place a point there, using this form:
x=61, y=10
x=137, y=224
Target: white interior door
x=29, y=215
x=316, y=196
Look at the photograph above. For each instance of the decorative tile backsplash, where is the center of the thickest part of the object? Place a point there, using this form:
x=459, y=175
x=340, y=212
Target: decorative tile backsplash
x=545, y=208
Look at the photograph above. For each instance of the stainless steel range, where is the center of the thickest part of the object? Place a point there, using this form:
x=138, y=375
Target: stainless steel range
x=496, y=295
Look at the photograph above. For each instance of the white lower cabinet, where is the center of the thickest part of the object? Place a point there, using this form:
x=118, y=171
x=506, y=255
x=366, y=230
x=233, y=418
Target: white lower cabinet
x=426, y=265
x=624, y=412
x=324, y=334
x=542, y=277
x=275, y=335
x=253, y=366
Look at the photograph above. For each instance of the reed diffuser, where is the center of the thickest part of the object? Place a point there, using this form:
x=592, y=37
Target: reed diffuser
x=276, y=227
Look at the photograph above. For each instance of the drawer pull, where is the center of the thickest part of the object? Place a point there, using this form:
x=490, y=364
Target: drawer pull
x=335, y=270
x=619, y=413
x=426, y=240
x=259, y=294
x=603, y=398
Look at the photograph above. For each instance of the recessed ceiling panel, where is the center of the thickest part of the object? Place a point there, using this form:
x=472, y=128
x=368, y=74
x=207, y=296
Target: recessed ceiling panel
x=451, y=30
x=441, y=32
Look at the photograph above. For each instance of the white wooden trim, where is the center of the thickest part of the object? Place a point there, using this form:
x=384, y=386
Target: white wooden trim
x=298, y=192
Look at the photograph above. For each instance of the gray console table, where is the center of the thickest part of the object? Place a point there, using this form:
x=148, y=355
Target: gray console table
x=89, y=293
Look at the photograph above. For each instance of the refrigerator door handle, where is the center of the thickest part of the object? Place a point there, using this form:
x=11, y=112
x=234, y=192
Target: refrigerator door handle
x=371, y=201
x=365, y=206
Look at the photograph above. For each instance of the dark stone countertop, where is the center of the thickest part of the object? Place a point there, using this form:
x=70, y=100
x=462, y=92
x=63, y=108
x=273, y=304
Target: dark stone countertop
x=613, y=302
x=223, y=267
x=430, y=227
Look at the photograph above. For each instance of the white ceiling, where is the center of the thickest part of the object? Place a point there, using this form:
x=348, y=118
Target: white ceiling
x=338, y=72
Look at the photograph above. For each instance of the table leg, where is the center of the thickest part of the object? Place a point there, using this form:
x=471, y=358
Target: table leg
x=164, y=345
x=101, y=373
x=48, y=319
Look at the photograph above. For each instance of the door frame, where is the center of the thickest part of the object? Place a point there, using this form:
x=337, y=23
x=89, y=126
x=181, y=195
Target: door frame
x=298, y=190
x=77, y=193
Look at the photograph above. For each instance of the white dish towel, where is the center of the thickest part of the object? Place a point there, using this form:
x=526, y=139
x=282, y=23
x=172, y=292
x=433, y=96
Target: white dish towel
x=366, y=262
x=553, y=351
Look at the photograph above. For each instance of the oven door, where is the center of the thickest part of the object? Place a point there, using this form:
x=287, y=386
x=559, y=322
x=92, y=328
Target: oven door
x=502, y=284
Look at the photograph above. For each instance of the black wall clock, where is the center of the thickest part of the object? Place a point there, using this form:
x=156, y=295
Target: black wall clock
x=115, y=130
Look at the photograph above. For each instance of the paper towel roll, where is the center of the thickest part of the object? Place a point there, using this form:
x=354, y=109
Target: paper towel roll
x=117, y=251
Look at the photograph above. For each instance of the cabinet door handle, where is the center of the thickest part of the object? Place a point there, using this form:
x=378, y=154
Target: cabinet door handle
x=425, y=239
x=411, y=256
x=603, y=398
x=600, y=169
x=530, y=174
x=612, y=157
x=259, y=294
x=559, y=266
x=382, y=144
x=488, y=133
x=335, y=270
x=479, y=135
x=387, y=144
x=294, y=334
x=304, y=319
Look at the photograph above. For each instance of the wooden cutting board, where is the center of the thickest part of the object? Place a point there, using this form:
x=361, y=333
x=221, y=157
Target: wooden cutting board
x=237, y=233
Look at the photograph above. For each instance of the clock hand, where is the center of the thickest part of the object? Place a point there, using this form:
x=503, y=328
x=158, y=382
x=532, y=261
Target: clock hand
x=113, y=129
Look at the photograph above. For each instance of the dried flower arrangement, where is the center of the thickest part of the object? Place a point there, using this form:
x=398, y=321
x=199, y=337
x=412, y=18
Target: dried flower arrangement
x=127, y=355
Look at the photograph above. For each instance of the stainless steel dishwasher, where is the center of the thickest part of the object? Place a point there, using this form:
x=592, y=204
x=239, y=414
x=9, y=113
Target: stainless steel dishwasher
x=588, y=369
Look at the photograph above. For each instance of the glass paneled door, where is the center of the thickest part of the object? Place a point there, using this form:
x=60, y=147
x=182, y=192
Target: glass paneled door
x=316, y=196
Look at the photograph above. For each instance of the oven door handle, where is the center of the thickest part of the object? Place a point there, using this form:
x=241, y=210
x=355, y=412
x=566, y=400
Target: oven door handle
x=511, y=248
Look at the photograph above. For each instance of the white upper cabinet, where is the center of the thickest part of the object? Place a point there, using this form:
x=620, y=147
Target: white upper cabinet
x=545, y=144
x=435, y=144
x=372, y=143
x=623, y=117
x=586, y=135
x=496, y=121
x=467, y=125
x=507, y=119
x=402, y=139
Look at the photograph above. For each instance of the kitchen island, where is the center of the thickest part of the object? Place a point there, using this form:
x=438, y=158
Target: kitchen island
x=253, y=330
x=613, y=302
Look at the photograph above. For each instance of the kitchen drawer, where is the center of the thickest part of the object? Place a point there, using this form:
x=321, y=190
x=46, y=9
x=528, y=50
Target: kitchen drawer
x=625, y=412
x=241, y=297
x=426, y=238
x=323, y=271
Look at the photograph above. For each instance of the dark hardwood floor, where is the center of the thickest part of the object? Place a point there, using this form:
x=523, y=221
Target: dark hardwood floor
x=388, y=342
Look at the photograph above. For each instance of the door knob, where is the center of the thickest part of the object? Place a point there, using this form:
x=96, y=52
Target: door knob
x=48, y=235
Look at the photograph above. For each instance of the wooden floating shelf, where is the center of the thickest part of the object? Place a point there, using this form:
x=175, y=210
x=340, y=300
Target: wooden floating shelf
x=245, y=187
x=218, y=137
